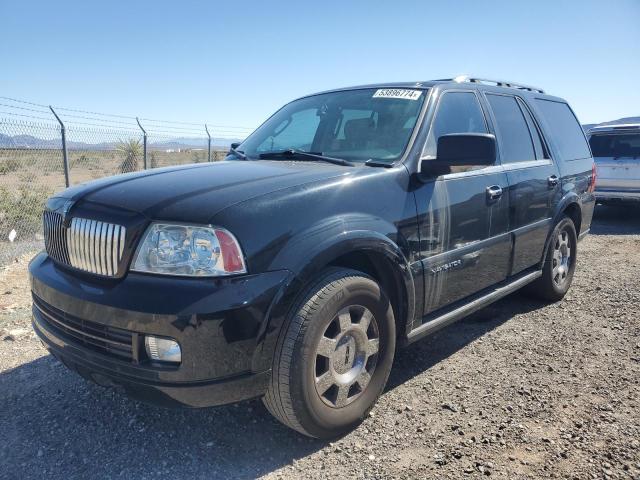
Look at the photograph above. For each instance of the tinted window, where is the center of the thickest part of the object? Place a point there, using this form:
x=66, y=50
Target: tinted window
x=356, y=125
x=621, y=145
x=295, y=132
x=348, y=116
x=538, y=146
x=515, y=139
x=567, y=132
x=458, y=112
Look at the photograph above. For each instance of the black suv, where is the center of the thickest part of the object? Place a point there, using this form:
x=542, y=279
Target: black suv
x=351, y=222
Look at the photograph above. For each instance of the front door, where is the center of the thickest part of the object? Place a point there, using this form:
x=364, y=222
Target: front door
x=463, y=215
x=534, y=183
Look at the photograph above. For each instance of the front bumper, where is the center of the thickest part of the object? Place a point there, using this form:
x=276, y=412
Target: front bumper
x=219, y=324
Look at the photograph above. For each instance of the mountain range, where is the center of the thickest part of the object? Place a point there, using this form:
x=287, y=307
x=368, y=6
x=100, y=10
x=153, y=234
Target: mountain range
x=612, y=122
x=32, y=142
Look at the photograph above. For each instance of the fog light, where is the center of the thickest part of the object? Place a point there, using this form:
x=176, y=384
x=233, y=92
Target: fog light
x=162, y=349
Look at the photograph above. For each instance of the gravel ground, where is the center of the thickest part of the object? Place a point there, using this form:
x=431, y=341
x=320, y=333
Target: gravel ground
x=518, y=390
x=9, y=251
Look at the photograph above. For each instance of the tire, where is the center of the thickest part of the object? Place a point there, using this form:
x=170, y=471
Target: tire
x=329, y=368
x=559, y=263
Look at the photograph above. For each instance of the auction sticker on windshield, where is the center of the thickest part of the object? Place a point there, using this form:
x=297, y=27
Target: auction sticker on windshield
x=398, y=93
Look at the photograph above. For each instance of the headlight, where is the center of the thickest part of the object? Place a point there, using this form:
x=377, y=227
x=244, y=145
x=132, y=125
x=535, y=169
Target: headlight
x=189, y=250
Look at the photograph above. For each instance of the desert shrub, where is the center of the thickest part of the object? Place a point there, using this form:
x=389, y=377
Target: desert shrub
x=82, y=160
x=8, y=165
x=131, y=152
x=21, y=210
x=197, y=157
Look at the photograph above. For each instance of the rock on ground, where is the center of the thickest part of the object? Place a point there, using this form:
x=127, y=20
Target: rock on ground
x=521, y=389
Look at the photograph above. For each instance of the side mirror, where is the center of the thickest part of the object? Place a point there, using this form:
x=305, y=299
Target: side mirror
x=235, y=145
x=461, y=150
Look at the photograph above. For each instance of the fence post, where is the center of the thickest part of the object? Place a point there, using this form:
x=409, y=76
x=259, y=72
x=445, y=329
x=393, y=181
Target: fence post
x=144, y=144
x=65, y=160
x=208, y=143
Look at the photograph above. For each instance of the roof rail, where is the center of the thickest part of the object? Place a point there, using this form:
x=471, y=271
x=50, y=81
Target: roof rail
x=615, y=127
x=498, y=83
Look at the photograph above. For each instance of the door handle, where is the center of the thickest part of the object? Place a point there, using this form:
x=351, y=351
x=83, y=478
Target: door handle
x=494, y=192
x=552, y=181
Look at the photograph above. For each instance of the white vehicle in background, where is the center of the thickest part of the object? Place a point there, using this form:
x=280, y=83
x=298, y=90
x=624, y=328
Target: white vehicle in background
x=616, y=151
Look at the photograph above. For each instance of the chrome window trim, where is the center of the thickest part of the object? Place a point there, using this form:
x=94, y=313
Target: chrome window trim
x=527, y=164
x=508, y=167
x=472, y=173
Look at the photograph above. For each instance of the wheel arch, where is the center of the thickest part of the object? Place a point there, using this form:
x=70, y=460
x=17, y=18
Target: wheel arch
x=569, y=206
x=370, y=252
x=387, y=275
x=574, y=212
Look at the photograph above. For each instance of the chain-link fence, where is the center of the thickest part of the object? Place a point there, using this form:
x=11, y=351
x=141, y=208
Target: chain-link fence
x=29, y=174
x=43, y=150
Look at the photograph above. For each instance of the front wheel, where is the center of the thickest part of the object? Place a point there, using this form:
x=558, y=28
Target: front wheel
x=559, y=264
x=334, y=355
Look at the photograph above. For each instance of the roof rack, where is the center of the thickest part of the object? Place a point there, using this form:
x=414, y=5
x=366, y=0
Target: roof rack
x=615, y=127
x=498, y=83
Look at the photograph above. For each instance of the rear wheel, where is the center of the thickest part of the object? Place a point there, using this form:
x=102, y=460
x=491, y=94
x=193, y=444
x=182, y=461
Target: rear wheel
x=334, y=355
x=559, y=264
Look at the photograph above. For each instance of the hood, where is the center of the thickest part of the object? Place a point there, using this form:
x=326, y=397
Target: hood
x=195, y=193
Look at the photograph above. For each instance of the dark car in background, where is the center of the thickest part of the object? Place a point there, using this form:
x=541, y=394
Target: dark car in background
x=350, y=223
x=616, y=151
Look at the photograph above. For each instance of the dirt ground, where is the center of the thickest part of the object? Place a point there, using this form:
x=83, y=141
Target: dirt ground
x=519, y=390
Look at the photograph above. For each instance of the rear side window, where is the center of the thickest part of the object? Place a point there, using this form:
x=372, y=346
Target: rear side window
x=565, y=129
x=458, y=112
x=538, y=145
x=617, y=146
x=516, y=143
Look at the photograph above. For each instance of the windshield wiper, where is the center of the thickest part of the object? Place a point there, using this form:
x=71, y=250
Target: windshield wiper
x=238, y=153
x=378, y=163
x=292, y=153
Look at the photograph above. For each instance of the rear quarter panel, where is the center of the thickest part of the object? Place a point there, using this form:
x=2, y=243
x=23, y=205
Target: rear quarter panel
x=576, y=178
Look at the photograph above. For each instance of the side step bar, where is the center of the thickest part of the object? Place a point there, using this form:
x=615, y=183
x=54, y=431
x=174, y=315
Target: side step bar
x=584, y=234
x=456, y=314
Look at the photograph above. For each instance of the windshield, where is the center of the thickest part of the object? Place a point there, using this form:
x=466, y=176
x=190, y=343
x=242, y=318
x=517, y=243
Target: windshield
x=620, y=145
x=354, y=125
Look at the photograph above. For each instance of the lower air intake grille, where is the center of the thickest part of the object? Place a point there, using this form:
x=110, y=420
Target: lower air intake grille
x=107, y=340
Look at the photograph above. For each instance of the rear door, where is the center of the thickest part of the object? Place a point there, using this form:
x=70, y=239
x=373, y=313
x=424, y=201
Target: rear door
x=534, y=179
x=465, y=244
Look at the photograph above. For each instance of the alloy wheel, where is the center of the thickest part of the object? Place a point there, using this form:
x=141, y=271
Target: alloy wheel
x=346, y=356
x=561, y=258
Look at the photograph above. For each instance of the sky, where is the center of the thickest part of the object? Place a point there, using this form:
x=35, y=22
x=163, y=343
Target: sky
x=234, y=63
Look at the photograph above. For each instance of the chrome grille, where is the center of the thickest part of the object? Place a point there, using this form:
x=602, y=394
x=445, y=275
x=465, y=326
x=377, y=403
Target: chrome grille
x=88, y=245
x=55, y=239
x=95, y=246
